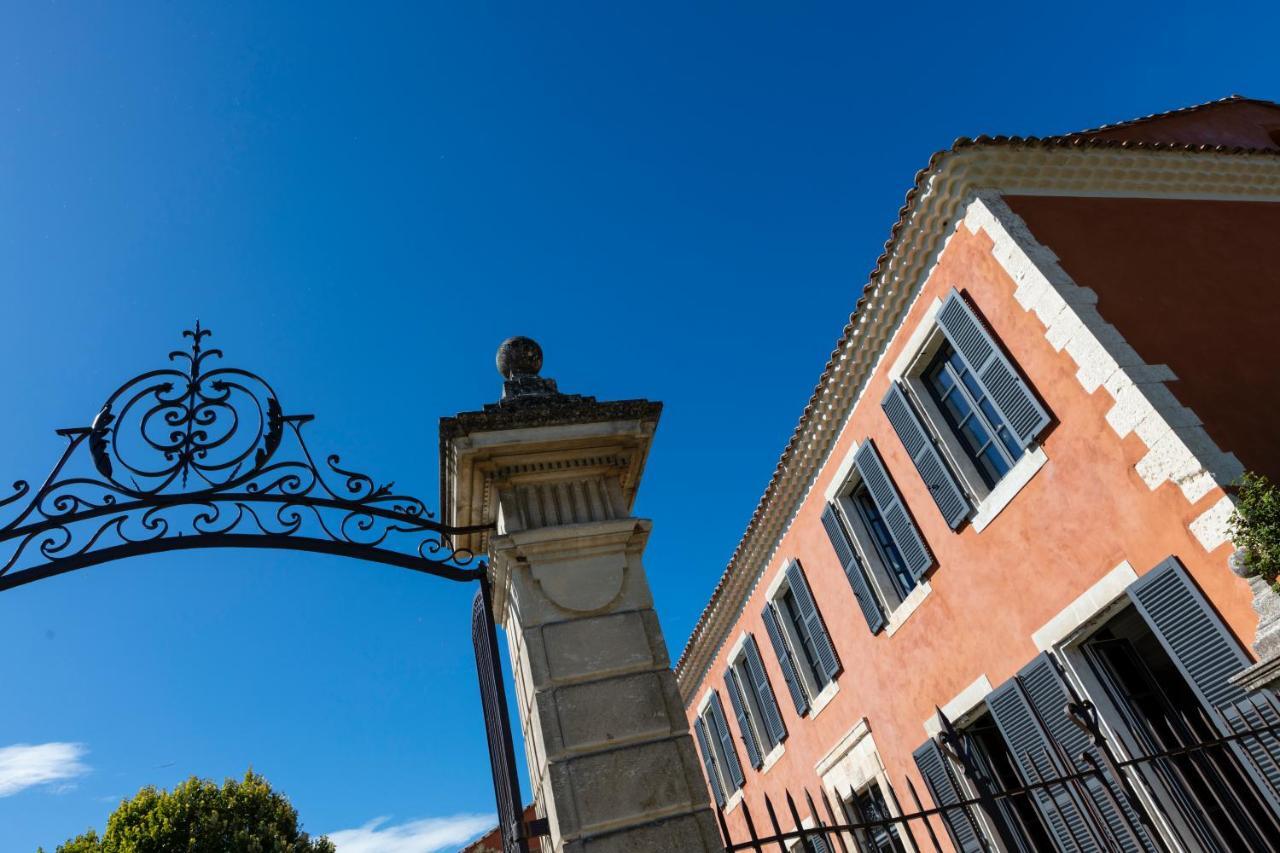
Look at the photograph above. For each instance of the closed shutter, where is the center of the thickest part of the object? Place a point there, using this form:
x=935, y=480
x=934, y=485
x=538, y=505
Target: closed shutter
x=738, y=698
x=942, y=485
x=936, y=772
x=1006, y=388
x=732, y=767
x=1206, y=654
x=848, y=557
x=1048, y=693
x=708, y=761
x=1061, y=806
x=828, y=662
x=783, y=652
x=764, y=692
x=892, y=509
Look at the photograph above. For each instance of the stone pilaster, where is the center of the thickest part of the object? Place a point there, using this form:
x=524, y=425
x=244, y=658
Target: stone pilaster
x=610, y=757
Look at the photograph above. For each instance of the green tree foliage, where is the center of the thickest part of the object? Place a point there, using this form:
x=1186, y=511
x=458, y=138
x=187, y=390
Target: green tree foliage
x=197, y=816
x=1255, y=526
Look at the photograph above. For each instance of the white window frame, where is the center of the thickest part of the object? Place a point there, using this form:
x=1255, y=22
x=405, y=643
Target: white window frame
x=732, y=792
x=854, y=764
x=819, y=696
x=908, y=370
x=755, y=715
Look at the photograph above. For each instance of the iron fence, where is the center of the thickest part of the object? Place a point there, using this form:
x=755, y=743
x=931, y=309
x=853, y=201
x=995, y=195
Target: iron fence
x=1209, y=782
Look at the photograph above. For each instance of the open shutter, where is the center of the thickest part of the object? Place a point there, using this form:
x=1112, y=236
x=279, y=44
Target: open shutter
x=818, y=844
x=1255, y=712
x=848, y=557
x=1191, y=632
x=708, y=761
x=942, y=484
x=783, y=653
x=1006, y=388
x=738, y=698
x=764, y=692
x=892, y=509
x=827, y=659
x=732, y=767
x=1048, y=694
x=1207, y=654
x=937, y=775
x=1034, y=754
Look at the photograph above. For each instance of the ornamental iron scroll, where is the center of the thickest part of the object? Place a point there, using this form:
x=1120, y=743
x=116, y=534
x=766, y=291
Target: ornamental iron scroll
x=200, y=455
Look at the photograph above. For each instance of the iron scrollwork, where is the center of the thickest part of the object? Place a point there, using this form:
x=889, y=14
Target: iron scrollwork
x=197, y=454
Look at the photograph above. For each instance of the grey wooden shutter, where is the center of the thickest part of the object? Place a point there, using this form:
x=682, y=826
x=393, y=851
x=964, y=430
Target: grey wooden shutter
x=764, y=692
x=942, y=484
x=1036, y=759
x=1047, y=691
x=1191, y=632
x=818, y=844
x=738, y=698
x=783, y=652
x=1257, y=712
x=936, y=772
x=842, y=542
x=1206, y=654
x=708, y=761
x=827, y=659
x=1006, y=388
x=894, y=512
x=732, y=766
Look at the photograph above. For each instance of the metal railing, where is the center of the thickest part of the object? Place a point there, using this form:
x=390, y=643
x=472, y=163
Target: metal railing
x=1204, y=789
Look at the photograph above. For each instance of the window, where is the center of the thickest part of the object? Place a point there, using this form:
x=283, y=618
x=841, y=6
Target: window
x=964, y=413
x=754, y=703
x=800, y=639
x=868, y=807
x=719, y=758
x=972, y=417
x=876, y=541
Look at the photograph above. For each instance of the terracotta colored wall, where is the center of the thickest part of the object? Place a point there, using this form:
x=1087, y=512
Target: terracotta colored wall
x=1191, y=284
x=1082, y=514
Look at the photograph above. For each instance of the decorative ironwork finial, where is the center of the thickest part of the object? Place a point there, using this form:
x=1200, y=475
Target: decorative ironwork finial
x=196, y=454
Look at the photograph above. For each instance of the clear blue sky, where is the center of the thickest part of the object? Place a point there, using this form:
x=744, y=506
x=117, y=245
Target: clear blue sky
x=362, y=200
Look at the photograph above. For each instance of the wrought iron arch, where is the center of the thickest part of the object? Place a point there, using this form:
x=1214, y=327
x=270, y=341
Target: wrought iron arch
x=200, y=455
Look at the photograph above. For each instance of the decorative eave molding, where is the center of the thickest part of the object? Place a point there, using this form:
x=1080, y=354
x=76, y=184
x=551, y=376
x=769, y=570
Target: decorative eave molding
x=1058, y=166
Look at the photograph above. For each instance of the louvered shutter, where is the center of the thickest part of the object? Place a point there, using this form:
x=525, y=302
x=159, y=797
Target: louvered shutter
x=827, y=659
x=892, y=509
x=942, y=484
x=732, y=767
x=1033, y=753
x=1191, y=632
x=937, y=775
x=818, y=844
x=853, y=570
x=1206, y=654
x=738, y=698
x=708, y=761
x=1001, y=380
x=1048, y=693
x=783, y=652
x=767, y=702
x=1258, y=711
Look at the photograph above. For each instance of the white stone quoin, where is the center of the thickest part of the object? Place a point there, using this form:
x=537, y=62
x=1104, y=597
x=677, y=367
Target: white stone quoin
x=610, y=758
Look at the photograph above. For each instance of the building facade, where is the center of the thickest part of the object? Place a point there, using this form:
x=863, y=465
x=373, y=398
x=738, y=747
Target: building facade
x=1011, y=490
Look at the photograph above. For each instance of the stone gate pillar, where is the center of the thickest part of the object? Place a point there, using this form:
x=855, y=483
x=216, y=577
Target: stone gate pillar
x=610, y=758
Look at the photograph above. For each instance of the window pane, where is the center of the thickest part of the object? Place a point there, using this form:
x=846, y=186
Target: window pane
x=888, y=549
x=807, y=650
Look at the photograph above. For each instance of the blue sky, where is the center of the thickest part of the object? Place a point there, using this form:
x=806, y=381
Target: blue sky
x=680, y=201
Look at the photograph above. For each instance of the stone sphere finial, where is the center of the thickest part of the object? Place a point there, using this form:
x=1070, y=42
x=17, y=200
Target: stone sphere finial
x=519, y=356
